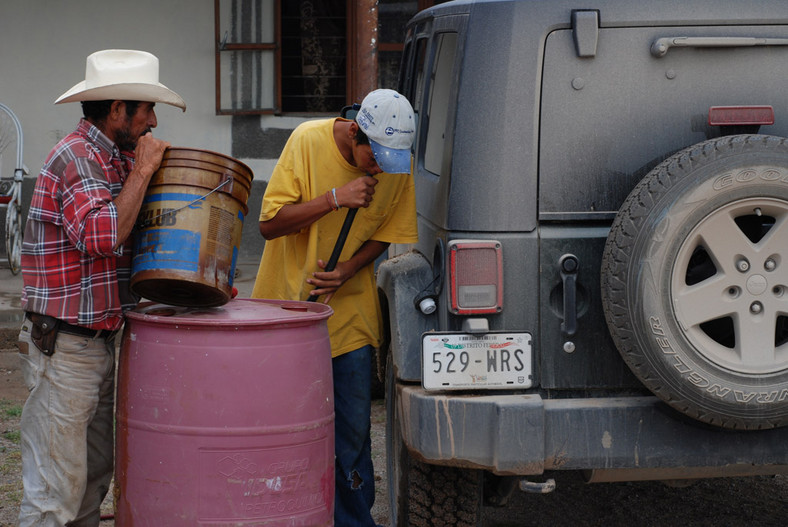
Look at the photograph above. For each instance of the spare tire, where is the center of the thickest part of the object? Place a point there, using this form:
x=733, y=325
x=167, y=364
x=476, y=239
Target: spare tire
x=695, y=284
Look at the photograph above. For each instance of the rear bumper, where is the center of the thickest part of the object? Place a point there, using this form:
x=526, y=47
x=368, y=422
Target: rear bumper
x=526, y=435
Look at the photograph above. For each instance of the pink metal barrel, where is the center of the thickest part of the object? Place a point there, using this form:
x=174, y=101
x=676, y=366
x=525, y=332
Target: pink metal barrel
x=225, y=416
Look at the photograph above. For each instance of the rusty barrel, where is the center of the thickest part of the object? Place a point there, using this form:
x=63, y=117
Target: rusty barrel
x=190, y=225
x=225, y=416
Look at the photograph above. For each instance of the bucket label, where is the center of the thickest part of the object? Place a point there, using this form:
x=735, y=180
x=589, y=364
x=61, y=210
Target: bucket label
x=175, y=249
x=163, y=217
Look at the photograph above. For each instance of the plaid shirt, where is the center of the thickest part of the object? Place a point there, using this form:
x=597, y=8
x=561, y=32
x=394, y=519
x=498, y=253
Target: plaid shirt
x=70, y=269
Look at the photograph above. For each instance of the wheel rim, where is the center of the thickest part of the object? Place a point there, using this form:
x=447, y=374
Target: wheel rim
x=729, y=286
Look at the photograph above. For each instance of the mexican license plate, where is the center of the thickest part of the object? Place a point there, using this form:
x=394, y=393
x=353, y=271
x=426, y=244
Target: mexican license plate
x=463, y=361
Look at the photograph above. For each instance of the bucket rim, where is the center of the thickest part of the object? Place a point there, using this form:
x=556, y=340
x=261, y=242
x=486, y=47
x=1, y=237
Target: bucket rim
x=172, y=151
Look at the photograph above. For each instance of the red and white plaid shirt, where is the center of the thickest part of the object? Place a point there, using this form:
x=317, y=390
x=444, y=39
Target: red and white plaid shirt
x=70, y=269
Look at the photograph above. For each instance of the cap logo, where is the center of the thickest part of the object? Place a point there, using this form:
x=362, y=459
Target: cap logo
x=390, y=130
x=365, y=119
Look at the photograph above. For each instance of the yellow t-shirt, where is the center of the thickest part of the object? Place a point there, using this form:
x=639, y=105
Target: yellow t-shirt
x=311, y=165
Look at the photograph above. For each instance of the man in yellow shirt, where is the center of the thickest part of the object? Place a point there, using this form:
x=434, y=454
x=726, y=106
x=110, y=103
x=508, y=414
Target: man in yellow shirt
x=328, y=165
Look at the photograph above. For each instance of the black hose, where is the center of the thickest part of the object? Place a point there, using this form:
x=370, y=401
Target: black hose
x=340, y=243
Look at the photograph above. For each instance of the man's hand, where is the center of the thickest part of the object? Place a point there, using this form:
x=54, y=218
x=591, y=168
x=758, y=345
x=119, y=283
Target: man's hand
x=327, y=282
x=148, y=154
x=357, y=193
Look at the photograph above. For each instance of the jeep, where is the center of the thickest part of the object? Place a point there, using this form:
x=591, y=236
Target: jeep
x=598, y=286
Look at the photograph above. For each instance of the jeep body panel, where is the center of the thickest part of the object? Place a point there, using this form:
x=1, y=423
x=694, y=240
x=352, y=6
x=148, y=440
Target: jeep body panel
x=536, y=119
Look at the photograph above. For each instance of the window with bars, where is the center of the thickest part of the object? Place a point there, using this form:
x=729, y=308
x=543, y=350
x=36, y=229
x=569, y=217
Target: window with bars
x=293, y=56
x=275, y=56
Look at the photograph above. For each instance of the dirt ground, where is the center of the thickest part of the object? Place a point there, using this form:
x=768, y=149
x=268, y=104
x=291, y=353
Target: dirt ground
x=750, y=502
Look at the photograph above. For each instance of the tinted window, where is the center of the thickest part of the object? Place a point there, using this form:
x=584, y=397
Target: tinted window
x=413, y=84
x=437, y=105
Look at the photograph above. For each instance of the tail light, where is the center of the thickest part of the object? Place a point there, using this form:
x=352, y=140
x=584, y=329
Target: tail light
x=475, y=276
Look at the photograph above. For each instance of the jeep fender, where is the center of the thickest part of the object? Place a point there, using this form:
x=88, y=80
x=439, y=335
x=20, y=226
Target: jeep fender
x=399, y=280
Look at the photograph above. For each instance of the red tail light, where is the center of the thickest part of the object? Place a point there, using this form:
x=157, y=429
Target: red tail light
x=475, y=276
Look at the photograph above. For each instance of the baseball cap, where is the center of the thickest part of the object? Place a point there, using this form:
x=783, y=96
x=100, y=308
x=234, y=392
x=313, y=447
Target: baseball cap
x=387, y=118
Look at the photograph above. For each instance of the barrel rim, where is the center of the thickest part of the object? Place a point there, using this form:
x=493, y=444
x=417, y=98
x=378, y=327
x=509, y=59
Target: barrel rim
x=299, y=312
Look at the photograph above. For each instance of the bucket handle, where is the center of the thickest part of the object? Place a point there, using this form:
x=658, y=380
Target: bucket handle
x=228, y=179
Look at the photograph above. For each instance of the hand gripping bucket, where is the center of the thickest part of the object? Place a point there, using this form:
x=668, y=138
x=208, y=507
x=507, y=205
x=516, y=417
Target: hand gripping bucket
x=189, y=229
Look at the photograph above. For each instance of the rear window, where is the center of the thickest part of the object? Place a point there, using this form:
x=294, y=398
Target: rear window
x=606, y=120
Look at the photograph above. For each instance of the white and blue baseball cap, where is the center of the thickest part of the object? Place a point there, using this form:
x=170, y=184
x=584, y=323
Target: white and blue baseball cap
x=387, y=119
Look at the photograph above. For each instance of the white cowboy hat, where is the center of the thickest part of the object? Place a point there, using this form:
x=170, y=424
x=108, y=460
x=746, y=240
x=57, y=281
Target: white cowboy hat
x=122, y=74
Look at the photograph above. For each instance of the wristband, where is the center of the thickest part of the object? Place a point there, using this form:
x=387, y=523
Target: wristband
x=328, y=199
x=334, y=193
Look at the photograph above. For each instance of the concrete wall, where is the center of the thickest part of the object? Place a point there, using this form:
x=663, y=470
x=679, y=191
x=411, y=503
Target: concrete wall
x=43, y=46
x=45, y=42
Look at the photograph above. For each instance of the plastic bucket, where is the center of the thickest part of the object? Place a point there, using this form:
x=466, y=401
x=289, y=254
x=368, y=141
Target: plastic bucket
x=191, y=221
x=225, y=416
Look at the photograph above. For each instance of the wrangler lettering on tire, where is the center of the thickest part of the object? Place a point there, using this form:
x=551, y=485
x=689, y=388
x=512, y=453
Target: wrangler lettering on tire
x=695, y=281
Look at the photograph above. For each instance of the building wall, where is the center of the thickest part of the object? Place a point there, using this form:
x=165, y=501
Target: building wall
x=43, y=47
x=44, y=44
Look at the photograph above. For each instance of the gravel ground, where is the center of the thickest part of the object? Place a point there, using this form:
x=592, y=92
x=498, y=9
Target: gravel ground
x=750, y=502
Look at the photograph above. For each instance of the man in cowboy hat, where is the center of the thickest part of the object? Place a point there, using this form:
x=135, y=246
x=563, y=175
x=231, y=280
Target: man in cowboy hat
x=76, y=260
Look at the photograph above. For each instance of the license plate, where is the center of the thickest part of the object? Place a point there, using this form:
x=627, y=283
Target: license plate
x=463, y=361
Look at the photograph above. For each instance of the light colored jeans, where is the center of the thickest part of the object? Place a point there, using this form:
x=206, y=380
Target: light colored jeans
x=67, y=430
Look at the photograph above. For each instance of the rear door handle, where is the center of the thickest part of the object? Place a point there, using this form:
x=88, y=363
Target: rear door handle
x=661, y=46
x=568, y=264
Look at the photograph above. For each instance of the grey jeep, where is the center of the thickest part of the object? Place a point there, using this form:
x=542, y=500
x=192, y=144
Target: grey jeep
x=599, y=285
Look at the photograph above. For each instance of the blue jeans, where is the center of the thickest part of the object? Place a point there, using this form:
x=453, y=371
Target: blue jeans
x=355, y=477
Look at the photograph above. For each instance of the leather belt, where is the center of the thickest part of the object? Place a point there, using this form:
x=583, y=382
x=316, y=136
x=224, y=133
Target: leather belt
x=71, y=329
